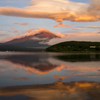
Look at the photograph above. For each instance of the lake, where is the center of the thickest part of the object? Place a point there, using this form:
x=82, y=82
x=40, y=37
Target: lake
x=49, y=76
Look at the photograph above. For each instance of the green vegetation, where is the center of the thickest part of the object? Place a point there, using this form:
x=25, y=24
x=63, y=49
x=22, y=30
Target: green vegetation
x=75, y=46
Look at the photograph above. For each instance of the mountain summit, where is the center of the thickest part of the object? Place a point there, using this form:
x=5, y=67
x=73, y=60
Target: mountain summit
x=44, y=34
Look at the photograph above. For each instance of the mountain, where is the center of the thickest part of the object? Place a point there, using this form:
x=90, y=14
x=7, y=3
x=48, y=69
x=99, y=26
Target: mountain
x=32, y=39
x=42, y=33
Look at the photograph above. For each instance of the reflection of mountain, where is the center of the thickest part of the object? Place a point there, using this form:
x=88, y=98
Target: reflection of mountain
x=79, y=57
x=56, y=91
x=43, y=63
x=32, y=64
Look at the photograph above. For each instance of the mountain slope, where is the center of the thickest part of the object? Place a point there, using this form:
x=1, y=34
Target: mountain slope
x=30, y=43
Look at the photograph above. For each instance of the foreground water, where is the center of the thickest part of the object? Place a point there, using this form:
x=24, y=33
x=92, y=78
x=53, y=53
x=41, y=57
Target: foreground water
x=49, y=76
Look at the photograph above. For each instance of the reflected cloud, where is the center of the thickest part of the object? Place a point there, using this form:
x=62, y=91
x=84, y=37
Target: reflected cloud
x=78, y=73
x=82, y=90
x=91, y=76
x=60, y=67
x=61, y=77
x=15, y=71
x=21, y=78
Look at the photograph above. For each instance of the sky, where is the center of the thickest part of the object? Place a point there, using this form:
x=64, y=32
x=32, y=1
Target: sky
x=72, y=19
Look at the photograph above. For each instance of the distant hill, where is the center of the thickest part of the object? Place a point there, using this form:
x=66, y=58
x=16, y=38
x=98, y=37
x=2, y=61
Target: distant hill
x=75, y=46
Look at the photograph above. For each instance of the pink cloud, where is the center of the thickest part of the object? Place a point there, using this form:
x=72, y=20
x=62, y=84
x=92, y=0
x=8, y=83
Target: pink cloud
x=23, y=23
x=12, y=28
x=57, y=10
x=6, y=18
x=62, y=25
x=15, y=31
x=93, y=27
x=15, y=23
x=3, y=34
x=78, y=29
x=0, y=29
x=20, y=23
x=29, y=30
x=60, y=35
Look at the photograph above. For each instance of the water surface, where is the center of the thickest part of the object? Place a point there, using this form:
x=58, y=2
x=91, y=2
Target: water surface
x=49, y=76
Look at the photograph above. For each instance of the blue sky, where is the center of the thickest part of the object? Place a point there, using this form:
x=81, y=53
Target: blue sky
x=8, y=29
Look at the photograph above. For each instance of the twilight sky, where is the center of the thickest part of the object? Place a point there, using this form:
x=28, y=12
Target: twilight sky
x=72, y=19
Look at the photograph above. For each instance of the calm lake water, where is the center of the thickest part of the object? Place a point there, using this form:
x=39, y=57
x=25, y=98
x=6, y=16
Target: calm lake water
x=49, y=76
